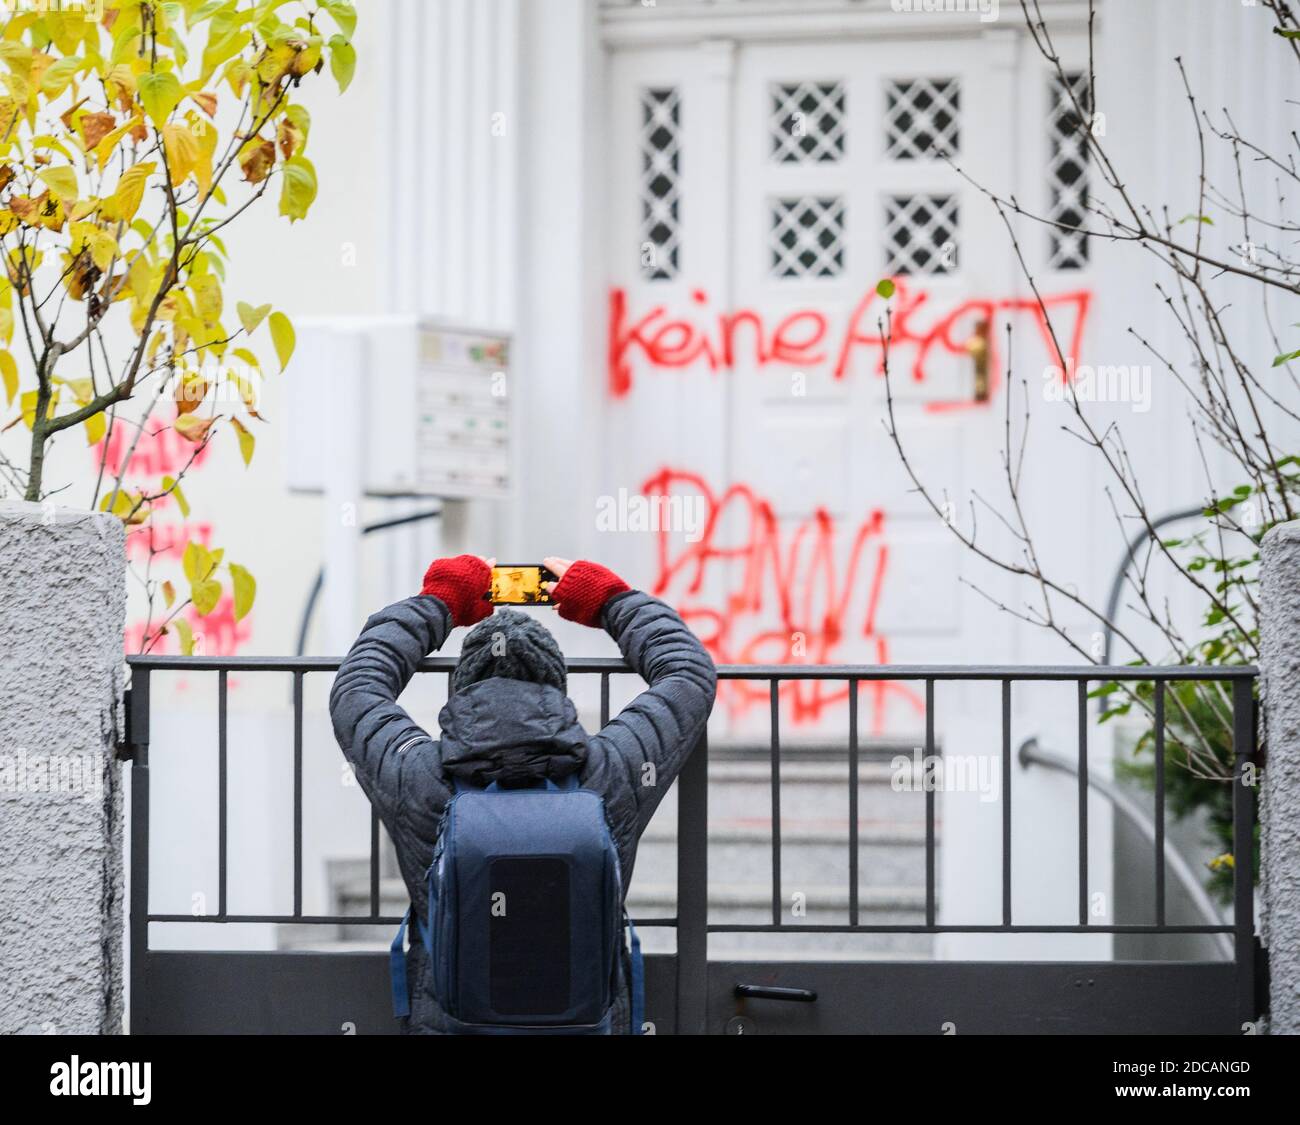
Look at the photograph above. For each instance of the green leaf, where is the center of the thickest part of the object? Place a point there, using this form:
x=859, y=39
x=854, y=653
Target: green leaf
x=249, y=358
x=245, y=590
x=160, y=94
x=284, y=338
x=205, y=595
x=62, y=181
x=125, y=201
x=1285, y=359
x=885, y=288
x=59, y=75
x=169, y=485
x=196, y=562
x=53, y=144
x=251, y=318
x=199, y=563
x=222, y=47
x=299, y=191
x=126, y=39
x=206, y=12
x=247, y=443
x=343, y=62
x=345, y=15
x=95, y=426
x=17, y=55
x=299, y=116
x=9, y=372
x=186, y=635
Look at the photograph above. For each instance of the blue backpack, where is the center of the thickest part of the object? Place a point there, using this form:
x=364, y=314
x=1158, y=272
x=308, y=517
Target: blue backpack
x=525, y=925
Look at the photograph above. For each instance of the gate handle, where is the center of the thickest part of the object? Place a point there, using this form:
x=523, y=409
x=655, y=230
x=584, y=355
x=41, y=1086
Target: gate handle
x=764, y=992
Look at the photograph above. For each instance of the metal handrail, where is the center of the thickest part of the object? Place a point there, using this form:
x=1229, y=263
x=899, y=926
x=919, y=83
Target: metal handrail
x=863, y=672
x=1130, y=553
x=1030, y=753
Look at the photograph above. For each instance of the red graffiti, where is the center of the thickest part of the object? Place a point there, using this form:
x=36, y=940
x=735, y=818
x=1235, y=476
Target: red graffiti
x=817, y=604
x=160, y=451
x=804, y=338
x=217, y=634
x=165, y=540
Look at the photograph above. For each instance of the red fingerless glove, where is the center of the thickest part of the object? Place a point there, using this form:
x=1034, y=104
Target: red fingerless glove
x=462, y=584
x=583, y=591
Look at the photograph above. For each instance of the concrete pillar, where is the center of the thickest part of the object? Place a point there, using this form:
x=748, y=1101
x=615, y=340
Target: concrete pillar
x=62, y=614
x=1280, y=824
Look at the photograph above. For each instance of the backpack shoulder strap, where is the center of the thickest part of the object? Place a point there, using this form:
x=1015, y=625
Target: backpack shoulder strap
x=638, y=979
x=397, y=969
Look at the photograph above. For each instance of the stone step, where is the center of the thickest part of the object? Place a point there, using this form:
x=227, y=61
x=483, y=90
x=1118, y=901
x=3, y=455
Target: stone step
x=803, y=862
x=812, y=793
x=758, y=830
x=807, y=769
x=741, y=898
x=730, y=947
x=354, y=897
x=814, y=859
x=736, y=904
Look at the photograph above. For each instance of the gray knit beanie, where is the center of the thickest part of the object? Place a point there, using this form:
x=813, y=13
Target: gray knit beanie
x=512, y=645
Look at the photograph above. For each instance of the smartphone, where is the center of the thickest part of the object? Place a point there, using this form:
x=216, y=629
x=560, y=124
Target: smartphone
x=520, y=585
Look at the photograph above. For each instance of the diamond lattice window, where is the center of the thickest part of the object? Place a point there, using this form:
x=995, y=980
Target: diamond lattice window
x=807, y=237
x=921, y=234
x=1067, y=171
x=661, y=217
x=922, y=118
x=808, y=122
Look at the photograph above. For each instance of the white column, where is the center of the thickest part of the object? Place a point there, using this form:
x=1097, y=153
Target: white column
x=560, y=325
x=451, y=233
x=345, y=426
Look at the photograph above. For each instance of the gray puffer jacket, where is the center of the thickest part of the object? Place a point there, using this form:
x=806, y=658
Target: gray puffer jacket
x=509, y=730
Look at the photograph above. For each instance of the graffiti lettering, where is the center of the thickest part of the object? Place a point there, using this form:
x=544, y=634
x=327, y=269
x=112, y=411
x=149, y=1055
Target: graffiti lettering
x=800, y=338
x=165, y=540
x=761, y=597
x=217, y=634
x=160, y=451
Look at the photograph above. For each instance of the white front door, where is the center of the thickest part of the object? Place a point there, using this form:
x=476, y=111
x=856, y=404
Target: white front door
x=759, y=192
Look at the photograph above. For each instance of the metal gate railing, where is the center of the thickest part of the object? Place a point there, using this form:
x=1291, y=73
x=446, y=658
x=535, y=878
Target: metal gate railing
x=178, y=991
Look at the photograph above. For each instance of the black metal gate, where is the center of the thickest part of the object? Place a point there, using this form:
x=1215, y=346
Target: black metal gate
x=178, y=992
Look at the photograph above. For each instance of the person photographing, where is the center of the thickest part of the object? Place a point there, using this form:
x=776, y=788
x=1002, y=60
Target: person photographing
x=516, y=832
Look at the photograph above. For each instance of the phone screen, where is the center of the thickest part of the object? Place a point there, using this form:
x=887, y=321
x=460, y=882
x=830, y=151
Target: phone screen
x=520, y=585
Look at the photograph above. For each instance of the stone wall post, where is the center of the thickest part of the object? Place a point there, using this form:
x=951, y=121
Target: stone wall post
x=1280, y=824
x=62, y=613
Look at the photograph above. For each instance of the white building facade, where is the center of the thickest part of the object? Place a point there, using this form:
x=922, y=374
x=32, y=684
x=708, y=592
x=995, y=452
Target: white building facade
x=679, y=211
